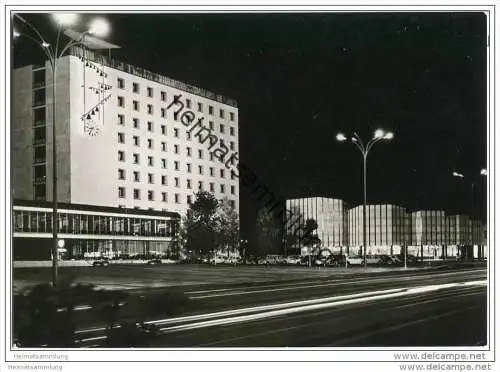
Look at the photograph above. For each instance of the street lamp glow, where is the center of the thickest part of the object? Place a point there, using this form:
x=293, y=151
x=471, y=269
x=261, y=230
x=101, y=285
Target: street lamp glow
x=99, y=27
x=379, y=133
x=45, y=44
x=389, y=136
x=16, y=33
x=65, y=19
x=484, y=172
x=341, y=137
x=456, y=174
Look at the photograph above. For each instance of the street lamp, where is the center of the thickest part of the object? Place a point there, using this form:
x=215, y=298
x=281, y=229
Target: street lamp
x=378, y=136
x=483, y=172
x=53, y=53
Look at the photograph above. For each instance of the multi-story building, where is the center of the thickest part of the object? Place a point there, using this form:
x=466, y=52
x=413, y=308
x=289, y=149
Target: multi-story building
x=387, y=229
x=122, y=139
x=327, y=212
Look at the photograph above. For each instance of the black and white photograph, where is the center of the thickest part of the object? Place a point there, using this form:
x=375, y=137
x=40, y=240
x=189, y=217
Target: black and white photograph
x=249, y=183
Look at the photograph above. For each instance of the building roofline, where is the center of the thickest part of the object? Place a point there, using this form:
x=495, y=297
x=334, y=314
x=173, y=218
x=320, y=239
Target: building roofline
x=149, y=75
x=94, y=208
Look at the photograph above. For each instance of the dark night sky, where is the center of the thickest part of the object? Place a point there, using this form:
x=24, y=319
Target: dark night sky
x=301, y=78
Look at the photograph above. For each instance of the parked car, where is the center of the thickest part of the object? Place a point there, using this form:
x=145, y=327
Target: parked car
x=371, y=260
x=293, y=260
x=154, y=261
x=339, y=260
x=101, y=262
x=355, y=260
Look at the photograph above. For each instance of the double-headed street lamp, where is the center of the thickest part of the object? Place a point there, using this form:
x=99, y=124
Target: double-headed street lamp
x=378, y=136
x=483, y=172
x=98, y=27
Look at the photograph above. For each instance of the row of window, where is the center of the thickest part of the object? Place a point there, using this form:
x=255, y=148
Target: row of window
x=163, y=95
x=136, y=124
x=41, y=222
x=136, y=142
x=164, y=163
x=122, y=193
x=151, y=177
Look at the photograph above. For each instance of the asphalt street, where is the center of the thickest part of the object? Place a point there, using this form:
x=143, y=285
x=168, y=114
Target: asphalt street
x=407, y=308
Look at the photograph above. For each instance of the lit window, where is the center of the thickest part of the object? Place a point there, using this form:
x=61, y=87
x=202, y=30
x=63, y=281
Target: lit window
x=121, y=192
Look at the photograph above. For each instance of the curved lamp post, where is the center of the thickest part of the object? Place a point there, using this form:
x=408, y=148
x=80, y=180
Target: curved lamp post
x=379, y=135
x=483, y=172
x=53, y=52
